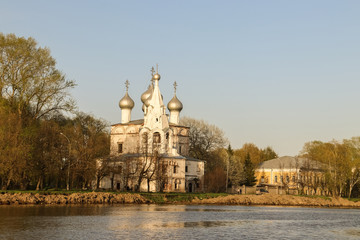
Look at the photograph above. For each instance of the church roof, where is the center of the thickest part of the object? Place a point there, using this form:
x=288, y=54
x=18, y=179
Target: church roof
x=134, y=122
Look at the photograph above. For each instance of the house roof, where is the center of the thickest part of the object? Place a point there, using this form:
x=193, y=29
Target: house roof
x=289, y=162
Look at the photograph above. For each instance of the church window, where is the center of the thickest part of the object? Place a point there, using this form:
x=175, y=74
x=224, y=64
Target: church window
x=186, y=168
x=157, y=138
x=276, y=179
x=175, y=169
x=180, y=149
x=120, y=147
x=145, y=138
x=287, y=179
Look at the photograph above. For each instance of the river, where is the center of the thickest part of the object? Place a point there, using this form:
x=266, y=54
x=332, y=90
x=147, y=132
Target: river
x=177, y=222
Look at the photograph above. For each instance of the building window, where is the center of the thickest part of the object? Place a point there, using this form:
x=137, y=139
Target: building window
x=287, y=179
x=175, y=169
x=186, y=168
x=275, y=179
x=180, y=149
x=262, y=179
x=167, y=135
x=281, y=178
x=120, y=147
x=156, y=137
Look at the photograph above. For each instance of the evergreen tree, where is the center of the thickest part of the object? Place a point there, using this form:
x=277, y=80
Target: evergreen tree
x=249, y=172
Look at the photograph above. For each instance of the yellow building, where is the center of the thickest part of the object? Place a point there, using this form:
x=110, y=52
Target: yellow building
x=292, y=175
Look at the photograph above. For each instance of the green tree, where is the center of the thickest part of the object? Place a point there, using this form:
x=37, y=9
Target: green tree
x=29, y=80
x=249, y=172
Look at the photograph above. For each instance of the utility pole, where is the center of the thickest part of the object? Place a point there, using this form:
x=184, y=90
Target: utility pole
x=230, y=153
x=69, y=160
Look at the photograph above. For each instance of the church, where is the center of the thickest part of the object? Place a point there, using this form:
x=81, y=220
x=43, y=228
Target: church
x=152, y=154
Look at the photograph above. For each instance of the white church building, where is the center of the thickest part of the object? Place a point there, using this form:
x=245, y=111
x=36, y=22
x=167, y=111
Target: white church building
x=152, y=154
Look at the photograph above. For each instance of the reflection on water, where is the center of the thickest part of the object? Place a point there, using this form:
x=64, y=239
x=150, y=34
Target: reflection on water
x=176, y=222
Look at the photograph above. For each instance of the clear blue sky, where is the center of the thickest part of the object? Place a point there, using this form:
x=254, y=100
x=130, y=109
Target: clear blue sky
x=277, y=73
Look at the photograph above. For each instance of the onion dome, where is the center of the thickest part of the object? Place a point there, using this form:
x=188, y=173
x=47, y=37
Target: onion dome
x=126, y=102
x=147, y=93
x=175, y=104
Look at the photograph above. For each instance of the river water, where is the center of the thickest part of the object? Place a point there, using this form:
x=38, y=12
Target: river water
x=177, y=222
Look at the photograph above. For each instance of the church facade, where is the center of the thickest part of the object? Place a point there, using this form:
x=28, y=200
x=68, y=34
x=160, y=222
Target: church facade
x=152, y=154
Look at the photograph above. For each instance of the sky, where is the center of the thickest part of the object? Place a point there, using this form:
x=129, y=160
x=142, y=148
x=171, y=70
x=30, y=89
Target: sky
x=273, y=73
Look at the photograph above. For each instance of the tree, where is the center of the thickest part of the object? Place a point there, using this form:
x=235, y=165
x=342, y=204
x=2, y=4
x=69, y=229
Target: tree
x=249, y=172
x=29, y=80
x=257, y=155
x=32, y=91
x=204, y=137
x=89, y=139
x=354, y=174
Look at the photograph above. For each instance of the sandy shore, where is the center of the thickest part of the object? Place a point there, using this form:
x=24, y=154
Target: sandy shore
x=133, y=198
x=279, y=200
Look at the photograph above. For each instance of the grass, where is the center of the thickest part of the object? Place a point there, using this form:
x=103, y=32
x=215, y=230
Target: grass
x=178, y=197
x=315, y=196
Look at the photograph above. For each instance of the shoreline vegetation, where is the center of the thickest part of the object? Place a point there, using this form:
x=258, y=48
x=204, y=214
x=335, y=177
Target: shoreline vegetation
x=83, y=197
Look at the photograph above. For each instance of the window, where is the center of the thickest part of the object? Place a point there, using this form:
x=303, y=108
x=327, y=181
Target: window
x=281, y=178
x=287, y=179
x=120, y=147
x=186, y=168
x=167, y=135
x=180, y=149
x=275, y=179
x=175, y=169
x=156, y=137
x=262, y=179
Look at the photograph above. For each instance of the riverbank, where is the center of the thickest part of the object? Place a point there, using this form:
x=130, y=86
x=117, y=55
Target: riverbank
x=280, y=200
x=53, y=198
x=71, y=198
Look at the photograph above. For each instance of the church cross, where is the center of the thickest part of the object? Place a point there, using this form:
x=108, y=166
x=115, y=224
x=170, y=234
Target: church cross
x=175, y=85
x=127, y=83
x=152, y=71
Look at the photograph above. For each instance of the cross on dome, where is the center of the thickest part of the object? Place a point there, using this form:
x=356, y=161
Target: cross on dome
x=127, y=83
x=175, y=85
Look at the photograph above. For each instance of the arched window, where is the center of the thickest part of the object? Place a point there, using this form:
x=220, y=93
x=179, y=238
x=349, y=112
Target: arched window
x=156, y=137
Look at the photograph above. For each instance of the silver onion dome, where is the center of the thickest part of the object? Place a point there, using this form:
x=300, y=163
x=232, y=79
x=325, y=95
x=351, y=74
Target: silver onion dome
x=126, y=102
x=175, y=104
x=147, y=93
